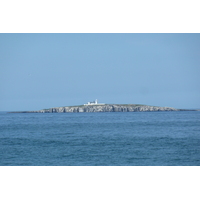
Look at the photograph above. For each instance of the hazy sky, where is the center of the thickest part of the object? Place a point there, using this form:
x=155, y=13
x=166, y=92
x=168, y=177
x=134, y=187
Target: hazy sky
x=49, y=70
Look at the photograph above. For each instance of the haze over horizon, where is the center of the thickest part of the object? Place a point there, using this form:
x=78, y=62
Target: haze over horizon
x=50, y=70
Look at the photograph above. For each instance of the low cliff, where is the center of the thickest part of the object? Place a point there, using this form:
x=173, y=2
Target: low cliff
x=104, y=108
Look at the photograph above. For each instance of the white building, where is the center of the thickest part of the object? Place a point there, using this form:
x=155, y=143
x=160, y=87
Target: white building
x=94, y=103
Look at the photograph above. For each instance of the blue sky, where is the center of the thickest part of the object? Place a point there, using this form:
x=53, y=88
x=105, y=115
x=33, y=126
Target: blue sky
x=49, y=70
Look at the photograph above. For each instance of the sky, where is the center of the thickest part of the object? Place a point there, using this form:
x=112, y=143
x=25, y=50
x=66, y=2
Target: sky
x=50, y=70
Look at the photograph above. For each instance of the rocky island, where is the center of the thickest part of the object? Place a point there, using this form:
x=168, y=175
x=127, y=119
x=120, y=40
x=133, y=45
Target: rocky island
x=106, y=108
x=102, y=107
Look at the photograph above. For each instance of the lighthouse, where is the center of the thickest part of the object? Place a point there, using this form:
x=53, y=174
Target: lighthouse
x=94, y=103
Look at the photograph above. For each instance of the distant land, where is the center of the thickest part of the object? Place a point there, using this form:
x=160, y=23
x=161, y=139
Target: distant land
x=95, y=107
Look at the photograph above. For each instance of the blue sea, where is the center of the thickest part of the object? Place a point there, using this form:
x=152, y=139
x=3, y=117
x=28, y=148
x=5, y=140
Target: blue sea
x=100, y=139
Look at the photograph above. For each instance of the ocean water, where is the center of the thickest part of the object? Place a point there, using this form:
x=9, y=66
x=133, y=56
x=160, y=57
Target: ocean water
x=100, y=139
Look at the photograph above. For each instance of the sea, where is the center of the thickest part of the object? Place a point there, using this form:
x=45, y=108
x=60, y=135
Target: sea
x=100, y=139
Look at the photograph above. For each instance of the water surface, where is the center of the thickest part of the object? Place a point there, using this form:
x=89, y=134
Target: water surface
x=90, y=139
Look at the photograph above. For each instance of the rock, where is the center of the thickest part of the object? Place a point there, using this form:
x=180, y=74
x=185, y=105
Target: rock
x=105, y=108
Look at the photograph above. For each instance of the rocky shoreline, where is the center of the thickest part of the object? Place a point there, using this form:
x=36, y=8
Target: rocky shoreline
x=104, y=108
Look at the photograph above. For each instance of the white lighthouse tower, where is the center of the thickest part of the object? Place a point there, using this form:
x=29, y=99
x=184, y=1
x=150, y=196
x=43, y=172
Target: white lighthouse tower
x=94, y=103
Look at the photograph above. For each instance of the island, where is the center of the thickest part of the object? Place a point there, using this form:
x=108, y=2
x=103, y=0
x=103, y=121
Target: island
x=94, y=106
x=102, y=107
